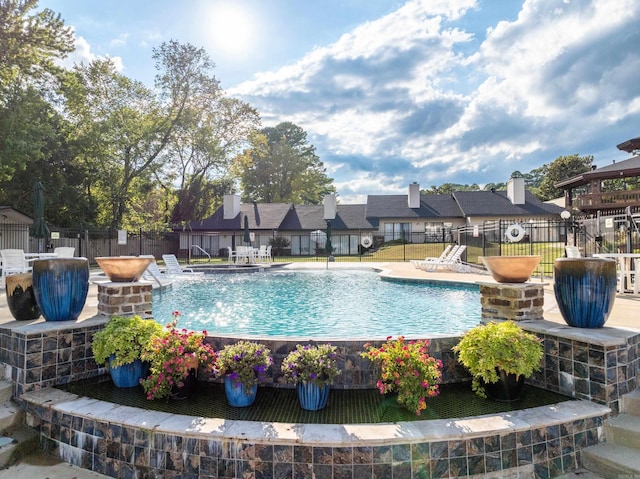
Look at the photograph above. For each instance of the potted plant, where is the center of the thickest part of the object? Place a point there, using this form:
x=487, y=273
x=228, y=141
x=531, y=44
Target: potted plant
x=499, y=356
x=242, y=365
x=121, y=343
x=406, y=368
x=313, y=368
x=174, y=357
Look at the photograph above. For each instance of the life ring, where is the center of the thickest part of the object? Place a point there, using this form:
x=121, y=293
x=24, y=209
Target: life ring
x=515, y=233
x=366, y=241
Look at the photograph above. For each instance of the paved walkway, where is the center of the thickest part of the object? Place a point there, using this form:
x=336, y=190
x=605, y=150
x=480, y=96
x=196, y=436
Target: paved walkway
x=624, y=315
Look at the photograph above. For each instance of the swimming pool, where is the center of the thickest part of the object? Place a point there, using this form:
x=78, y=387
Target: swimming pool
x=318, y=304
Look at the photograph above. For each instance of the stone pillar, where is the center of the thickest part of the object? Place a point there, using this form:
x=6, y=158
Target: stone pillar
x=511, y=301
x=125, y=299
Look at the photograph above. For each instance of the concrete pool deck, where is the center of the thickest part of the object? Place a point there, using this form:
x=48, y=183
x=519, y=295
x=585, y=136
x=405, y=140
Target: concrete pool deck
x=624, y=315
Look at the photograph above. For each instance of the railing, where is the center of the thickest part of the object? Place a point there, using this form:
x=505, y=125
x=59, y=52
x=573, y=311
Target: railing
x=610, y=199
x=198, y=248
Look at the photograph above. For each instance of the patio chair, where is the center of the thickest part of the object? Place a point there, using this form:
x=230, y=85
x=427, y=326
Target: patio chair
x=453, y=262
x=420, y=264
x=232, y=255
x=573, y=252
x=64, y=251
x=153, y=271
x=261, y=255
x=173, y=267
x=13, y=262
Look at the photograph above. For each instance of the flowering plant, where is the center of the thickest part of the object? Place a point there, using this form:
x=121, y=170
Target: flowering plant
x=407, y=369
x=311, y=363
x=245, y=362
x=172, y=355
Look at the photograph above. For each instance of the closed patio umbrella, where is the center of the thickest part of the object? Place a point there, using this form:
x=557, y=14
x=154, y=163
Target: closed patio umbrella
x=327, y=246
x=247, y=236
x=39, y=228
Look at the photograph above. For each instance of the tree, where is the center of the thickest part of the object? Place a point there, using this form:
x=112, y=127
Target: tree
x=281, y=167
x=448, y=188
x=123, y=127
x=30, y=42
x=561, y=168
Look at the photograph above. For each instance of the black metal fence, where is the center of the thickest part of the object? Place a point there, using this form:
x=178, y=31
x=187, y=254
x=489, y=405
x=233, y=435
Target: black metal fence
x=614, y=233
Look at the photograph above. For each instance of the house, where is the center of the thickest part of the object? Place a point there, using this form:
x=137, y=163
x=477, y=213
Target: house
x=409, y=218
x=609, y=189
x=14, y=229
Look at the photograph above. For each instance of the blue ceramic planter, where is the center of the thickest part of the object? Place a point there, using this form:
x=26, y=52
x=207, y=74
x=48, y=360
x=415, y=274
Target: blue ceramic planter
x=237, y=394
x=61, y=286
x=585, y=289
x=128, y=375
x=313, y=397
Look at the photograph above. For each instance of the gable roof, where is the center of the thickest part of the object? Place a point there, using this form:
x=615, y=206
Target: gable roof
x=490, y=203
x=262, y=216
x=348, y=217
x=397, y=206
x=622, y=169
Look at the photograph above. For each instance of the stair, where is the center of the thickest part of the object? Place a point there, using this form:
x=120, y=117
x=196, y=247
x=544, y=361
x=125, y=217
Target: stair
x=16, y=439
x=619, y=456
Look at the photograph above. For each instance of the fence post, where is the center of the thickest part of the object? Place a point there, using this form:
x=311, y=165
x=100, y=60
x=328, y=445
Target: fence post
x=140, y=242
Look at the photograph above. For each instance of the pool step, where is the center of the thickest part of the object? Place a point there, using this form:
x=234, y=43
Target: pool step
x=619, y=456
x=16, y=444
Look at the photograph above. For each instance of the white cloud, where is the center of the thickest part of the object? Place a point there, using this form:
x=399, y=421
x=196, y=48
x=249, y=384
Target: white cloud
x=404, y=97
x=120, y=41
x=83, y=54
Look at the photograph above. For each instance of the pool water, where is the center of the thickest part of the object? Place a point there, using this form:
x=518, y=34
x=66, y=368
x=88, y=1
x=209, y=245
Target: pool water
x=317, y=304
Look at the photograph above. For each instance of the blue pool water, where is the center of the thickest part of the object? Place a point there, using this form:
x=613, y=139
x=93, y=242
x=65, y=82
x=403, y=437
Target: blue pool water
x=317, y=304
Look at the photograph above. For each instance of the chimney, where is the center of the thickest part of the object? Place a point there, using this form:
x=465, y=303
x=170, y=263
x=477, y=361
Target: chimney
x=515, y=190
x=414, y=195
x=329, y=207
x=230, y=207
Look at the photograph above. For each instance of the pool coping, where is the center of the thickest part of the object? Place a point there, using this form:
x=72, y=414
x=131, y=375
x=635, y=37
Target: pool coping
x=333, y=435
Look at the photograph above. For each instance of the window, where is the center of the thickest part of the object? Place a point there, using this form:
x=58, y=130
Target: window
x=394, y=231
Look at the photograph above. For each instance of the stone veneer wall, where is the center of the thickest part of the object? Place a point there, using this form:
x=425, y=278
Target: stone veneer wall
x=124, y=442
x=511, y=301
x=125, y=298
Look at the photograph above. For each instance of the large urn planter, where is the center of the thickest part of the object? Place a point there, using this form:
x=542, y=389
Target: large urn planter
x=61, y=286
x=585, y=289
x=239, y=395
x=313, y=397
x=20, y=297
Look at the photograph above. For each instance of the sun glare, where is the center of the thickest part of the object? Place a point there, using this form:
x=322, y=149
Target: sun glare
x=230, y=28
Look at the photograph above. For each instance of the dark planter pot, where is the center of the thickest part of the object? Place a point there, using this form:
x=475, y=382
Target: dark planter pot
x=585, y=289
x=128, y=375
x=313, y=397
x=61, y=286
x=190, y=383
x=20, y=297
x=238, y=395
x=508, y=388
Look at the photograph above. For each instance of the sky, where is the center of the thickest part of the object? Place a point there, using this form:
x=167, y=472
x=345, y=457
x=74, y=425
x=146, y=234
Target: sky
x=391, y=92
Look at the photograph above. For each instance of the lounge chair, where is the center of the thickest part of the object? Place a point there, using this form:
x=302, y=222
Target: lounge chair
x=420, y=264
x=573, y=252
x=453, y=262
x=64, y=251
x=173, y=267
x=153, y=272
x=13, y=261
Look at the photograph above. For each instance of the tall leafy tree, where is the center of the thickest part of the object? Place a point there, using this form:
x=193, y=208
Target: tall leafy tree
x=448, y=188
x=124, y=127
x=561, y=168
x=281, y=166
x=30, y=42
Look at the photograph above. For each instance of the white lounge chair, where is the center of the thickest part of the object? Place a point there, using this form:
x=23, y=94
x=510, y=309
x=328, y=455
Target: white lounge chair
x=420, y=264
x=13, y=262
x=64, y=251
x=173, y=267
x=573, y=252
x=453, y=262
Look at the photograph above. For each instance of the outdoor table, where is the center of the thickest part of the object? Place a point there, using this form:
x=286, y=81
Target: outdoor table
x=627, y=268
